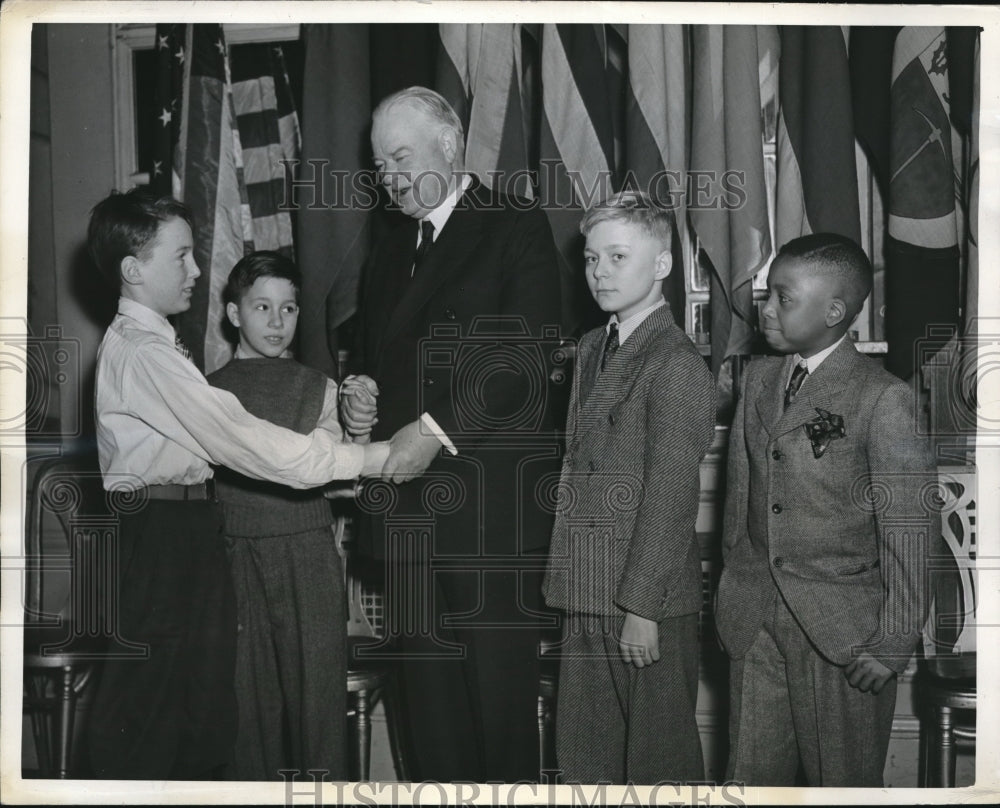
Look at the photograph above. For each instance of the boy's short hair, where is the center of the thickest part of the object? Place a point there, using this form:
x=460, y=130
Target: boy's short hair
x=836, y=256
x=632, y=207
x=124, y=224
x=256, y=265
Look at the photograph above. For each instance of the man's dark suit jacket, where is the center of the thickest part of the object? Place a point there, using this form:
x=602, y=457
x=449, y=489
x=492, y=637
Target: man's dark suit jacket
x=472, y=340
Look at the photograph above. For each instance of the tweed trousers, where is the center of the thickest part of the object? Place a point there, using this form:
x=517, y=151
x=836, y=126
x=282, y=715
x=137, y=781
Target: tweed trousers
x=616, y=723
x=789, y=705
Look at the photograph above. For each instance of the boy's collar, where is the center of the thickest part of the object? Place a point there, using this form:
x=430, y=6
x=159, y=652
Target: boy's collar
x=813, y=362
x=145, y=315
x=241, y=354
x=628, y=326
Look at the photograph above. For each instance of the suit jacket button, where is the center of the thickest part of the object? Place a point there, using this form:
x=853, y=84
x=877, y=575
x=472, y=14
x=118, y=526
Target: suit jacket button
x=779, y=561
x=428, y=381
x=775, y=508
x=776, y=455
x=450, y=313
x=611, y=419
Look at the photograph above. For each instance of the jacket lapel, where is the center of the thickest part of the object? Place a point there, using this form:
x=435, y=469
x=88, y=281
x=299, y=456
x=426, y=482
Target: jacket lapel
x=447, y=257
x=615, y=382
x=770, y=401
x=820, y=390
x=390, y=285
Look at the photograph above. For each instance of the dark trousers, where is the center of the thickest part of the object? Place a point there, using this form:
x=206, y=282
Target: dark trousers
x=790, y=705
x=618, y=723
x=172, y=714
x=291, y=668
x=470, y=684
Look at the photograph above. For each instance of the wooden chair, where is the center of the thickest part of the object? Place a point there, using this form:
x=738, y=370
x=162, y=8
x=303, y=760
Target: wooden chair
x=60, y=648
x=548, y=688
x=946, y=679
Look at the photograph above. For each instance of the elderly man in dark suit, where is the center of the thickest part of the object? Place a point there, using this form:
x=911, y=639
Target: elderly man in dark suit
x=457, y=333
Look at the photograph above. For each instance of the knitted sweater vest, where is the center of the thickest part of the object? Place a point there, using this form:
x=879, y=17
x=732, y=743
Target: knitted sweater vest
x=290, y=395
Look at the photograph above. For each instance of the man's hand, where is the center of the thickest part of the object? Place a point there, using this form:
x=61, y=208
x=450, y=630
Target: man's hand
x=358, y=405
x=867, y=673
x=411, y=451
x=640, y=641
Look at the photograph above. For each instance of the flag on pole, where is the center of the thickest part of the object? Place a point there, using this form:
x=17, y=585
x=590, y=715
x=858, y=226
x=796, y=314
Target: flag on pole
x=922, y=248
x=576, y=149
x=656, y=132
x=335, y=188
x=726, y=141
x=871, y=78
x=222, y=146
x=209, y=179
x=270, y=141
x=817, y=183
x=479, y=77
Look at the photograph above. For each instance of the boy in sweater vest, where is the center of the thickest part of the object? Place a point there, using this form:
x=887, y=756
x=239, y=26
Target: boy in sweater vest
x=286, y=569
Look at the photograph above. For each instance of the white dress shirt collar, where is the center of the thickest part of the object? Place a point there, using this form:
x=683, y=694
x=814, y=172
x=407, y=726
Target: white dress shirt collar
x=440, y=215
x=628, y=326
x=813, y=362
x=152, y=320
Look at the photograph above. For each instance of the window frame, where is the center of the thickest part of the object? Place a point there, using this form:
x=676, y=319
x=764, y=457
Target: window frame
x=131, y=37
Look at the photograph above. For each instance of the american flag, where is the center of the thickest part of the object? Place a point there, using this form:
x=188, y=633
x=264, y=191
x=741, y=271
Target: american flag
x=227, y=128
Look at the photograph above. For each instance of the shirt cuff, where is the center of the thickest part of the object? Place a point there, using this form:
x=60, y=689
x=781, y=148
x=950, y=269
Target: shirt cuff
x=438, y=433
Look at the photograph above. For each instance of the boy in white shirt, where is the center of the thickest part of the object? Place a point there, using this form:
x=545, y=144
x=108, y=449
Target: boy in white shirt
x=172, y=715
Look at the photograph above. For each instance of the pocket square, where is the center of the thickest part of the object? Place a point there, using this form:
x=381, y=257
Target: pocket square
x=826, y=427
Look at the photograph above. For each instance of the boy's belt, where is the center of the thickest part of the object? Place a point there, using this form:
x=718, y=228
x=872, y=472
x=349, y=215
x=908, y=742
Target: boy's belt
x=175, y=491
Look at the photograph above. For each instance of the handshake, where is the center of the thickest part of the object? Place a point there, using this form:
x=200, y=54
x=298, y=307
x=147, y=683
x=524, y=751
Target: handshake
x=406, y=455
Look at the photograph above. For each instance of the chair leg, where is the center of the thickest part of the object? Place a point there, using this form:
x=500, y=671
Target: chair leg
x=41, y=723
x=923, y=755
x=391, y=702
x=944, y=749
x=362, y=715
x=541, y=736
x=67, y=710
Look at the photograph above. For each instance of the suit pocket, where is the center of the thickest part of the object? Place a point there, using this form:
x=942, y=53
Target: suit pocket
x=858, y=569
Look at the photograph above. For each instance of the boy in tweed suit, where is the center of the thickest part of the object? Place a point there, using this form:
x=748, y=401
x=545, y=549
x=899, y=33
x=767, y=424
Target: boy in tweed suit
x=624, y=562
x=821, y=599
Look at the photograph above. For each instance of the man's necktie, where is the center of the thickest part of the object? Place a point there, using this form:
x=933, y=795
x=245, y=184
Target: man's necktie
x=182, y=349
x=798, y=376
x=610, y=345
x=426, y=240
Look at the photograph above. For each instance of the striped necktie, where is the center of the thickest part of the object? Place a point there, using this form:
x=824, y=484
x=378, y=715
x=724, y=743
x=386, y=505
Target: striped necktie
x=182, y=349
x=610, y=345
x=798, y=376
x=426, y=240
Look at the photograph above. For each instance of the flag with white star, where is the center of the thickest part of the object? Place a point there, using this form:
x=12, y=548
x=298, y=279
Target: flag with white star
x=170, y=41
x=224, y=131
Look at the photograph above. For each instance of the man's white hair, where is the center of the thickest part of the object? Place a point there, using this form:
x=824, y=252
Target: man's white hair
x=430, y=102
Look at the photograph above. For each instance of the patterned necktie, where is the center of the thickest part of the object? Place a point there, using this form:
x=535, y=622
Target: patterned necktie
x=426, y=240
x=610, y=345
x=182, y=349
x=798, y=376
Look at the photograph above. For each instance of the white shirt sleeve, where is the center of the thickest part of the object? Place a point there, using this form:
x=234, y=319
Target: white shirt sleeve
x=438, y=433
x=211, y=423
